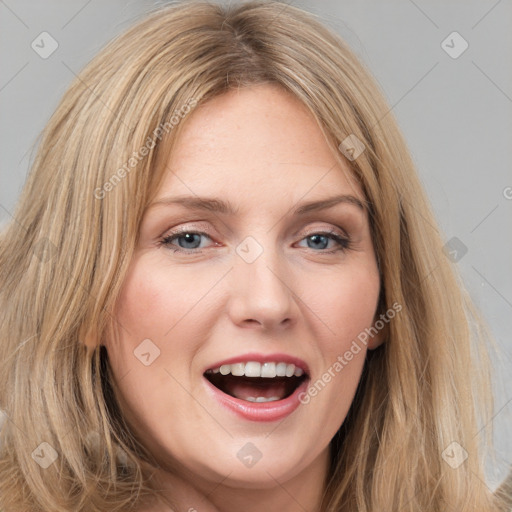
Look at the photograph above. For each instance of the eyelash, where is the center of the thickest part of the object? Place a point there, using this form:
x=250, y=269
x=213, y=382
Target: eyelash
x=344, y=243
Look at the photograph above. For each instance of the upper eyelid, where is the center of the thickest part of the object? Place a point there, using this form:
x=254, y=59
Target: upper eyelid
x=347, y=221
x=202, y=231
x=334, y=231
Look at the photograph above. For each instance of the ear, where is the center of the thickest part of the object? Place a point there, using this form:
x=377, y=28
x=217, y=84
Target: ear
x=89, y=337
x=382, y=330
x=376, y=341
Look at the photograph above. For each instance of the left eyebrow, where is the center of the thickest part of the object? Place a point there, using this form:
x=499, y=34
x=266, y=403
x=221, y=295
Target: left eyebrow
x=324, y=204
x=218, y=205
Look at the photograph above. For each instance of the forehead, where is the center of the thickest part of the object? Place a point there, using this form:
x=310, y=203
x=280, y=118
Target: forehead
x=258, y=142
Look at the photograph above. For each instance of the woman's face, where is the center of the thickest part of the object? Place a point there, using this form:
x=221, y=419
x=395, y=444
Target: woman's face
x=240, y=263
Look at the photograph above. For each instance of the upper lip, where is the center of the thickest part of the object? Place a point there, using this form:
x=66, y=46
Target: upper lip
x=262, y=358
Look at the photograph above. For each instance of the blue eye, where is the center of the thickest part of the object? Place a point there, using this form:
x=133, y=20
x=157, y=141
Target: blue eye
x=190, y=241
x=321, y=240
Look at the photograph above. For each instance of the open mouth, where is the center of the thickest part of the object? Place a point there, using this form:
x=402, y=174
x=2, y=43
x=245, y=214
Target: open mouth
x=257, y=382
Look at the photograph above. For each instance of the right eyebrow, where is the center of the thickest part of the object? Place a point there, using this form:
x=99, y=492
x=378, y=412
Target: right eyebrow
x=211, y=204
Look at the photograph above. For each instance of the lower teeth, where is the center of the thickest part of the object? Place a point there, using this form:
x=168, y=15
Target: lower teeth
x=261, y=399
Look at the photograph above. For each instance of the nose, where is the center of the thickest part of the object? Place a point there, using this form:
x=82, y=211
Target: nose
x=262, y=292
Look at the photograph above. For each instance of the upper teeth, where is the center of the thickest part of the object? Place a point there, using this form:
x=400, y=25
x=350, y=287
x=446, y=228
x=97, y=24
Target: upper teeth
x=255, y=369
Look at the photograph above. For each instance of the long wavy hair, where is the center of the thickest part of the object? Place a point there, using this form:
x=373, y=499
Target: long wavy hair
x=64, y=255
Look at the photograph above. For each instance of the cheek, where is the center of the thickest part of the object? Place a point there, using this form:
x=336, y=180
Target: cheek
x=346, y=305
x=154, y=299
x=165, y=306
x=151, y=310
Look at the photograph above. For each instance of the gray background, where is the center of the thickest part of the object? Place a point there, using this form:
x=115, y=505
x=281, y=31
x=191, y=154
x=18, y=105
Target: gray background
x=454, y=112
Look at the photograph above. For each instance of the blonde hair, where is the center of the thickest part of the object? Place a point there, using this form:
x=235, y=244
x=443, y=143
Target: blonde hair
x=64, y=256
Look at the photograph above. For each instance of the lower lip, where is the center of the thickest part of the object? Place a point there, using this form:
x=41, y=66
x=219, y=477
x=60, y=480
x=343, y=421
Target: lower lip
x=259, y=411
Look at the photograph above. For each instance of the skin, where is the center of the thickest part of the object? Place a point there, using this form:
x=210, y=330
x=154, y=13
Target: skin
x=261, y=150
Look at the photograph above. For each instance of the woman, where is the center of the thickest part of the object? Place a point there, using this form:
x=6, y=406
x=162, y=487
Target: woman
x=223, y=288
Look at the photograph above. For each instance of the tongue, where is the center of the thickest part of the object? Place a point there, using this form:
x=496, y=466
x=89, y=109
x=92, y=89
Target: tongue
x=245, y=387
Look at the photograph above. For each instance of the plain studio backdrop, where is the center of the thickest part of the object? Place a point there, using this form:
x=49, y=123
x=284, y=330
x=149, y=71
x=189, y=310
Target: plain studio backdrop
x=444, y=67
